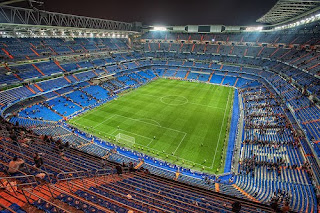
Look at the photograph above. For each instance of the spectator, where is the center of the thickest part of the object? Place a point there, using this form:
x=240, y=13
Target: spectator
x=236, y=206
x=285, y=208
x=131, y=168
x=61, y=147
x=13, y=137
x=274, y=205
x=63, y=156
x=119, y=169
x=37, y=160
x=66, y=145
x=15, y=165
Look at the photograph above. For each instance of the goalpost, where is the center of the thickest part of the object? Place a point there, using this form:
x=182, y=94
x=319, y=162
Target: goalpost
x=123, y=138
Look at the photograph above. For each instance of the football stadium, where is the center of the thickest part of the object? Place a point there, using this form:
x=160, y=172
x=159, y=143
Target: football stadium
x=102, y=115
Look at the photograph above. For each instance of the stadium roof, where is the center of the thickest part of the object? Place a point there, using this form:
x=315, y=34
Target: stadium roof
x=288, y=10
x=17, y=15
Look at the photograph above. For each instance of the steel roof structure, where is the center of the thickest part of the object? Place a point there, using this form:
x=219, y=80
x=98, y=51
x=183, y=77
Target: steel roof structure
x=289, y=10
x=15, y=15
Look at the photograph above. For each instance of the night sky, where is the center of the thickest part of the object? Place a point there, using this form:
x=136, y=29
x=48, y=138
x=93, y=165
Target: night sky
x=166, y=12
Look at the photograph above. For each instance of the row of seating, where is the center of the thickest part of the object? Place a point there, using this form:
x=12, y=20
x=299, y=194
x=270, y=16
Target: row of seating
x=260, y=37
x=79, y=181
x=28, y=48
x=292, y=174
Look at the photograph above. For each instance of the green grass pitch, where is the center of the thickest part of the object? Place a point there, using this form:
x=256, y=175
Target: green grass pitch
x=189, y=120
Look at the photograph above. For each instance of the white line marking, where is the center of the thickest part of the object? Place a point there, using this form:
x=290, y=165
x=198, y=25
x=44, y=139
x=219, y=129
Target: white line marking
x=174, y=156
x=158, y=124
x=177, y=104
x=185, y=103
x=113, y=132
x=150, y=120
x=206, y=105
x=179, y=144
x=147, y=146
x=224, y=116
x=104, y=121
x=150, y=142
x=135, y=134
x=150, y=123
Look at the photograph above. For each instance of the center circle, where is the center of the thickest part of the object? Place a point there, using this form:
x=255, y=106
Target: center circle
x=174, y=100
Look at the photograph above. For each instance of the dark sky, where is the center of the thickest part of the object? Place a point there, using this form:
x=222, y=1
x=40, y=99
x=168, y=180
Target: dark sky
x=166, y=12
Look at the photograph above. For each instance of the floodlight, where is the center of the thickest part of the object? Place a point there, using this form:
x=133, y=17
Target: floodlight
x=256, y=28
x=159, y=28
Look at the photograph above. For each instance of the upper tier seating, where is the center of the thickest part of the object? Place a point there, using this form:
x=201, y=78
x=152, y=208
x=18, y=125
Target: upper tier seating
x=9, y=96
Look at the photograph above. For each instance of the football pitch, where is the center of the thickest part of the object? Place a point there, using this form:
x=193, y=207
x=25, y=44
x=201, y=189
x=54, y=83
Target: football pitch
x=185, y=123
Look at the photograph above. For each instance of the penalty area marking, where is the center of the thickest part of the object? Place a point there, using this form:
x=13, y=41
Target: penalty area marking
x=139, y=120
x=133, y=133
x=134, y=119
x=148, y=119
x=147, y=146
x=150, y=124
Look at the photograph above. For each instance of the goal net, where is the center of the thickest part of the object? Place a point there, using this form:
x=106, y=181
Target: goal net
x=123, y=138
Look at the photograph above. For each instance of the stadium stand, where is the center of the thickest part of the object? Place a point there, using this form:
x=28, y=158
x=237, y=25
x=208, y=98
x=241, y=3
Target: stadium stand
x=273, y=152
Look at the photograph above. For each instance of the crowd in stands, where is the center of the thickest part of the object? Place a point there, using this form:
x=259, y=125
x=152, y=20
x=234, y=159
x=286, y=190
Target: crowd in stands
x=278, y=198
x=90, y=184
x=278, y=85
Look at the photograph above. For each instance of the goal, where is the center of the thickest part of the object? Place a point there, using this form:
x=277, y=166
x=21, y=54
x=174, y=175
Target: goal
x=123, y=138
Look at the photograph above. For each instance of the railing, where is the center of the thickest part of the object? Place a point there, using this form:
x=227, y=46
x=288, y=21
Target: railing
x=29, y=183
x=8, y=182
x=27, y=166
x=237, y=146
x=7, y=208
x=254, y=74
x=58, y=161
x=75, y=186
x=68, y=176
x=314, y=180
x=29, y=192
x=82, y=199
x=72, y=175
x=101, y=173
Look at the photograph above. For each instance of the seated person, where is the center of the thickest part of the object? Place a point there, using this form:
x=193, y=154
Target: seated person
x=37, y=160
x=15, y=165
x=66, y=145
